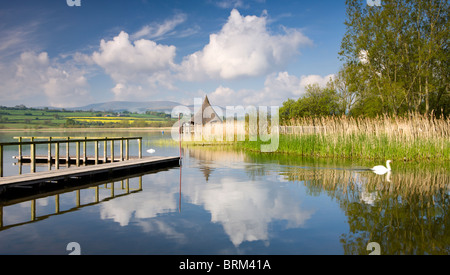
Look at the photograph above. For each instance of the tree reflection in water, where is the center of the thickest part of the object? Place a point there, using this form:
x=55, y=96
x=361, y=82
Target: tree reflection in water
x=406, y=212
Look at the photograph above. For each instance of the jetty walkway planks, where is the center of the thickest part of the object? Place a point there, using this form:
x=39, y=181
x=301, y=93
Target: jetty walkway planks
x=88, y=171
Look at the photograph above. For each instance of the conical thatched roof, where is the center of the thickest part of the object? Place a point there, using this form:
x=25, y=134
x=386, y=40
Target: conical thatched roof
x=206, y=114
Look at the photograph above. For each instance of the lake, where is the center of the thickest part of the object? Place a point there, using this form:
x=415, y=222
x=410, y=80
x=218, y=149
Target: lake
x=222, y=201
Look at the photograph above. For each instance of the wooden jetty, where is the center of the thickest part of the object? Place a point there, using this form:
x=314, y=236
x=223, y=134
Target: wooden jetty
x=43, y=159
x=67, y=159
x=102, y=164
x=88, y=171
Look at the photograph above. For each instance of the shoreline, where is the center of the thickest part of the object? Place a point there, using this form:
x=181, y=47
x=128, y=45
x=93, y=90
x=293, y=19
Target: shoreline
x=149, y=129
x=244, y=146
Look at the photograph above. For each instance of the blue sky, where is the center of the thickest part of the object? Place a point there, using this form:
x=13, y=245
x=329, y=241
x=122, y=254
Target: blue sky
x=238, y=52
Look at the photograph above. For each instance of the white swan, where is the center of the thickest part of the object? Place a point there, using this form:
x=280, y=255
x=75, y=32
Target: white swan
x=381, y=170
x=151, y=151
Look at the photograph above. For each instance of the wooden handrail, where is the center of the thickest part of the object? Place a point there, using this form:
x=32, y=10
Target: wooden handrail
x=67, y=140
x=71, y=140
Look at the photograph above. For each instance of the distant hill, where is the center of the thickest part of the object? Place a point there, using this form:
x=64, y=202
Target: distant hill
x=131, y=106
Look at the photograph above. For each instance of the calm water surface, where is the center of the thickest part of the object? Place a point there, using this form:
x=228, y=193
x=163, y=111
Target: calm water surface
x=226, y=202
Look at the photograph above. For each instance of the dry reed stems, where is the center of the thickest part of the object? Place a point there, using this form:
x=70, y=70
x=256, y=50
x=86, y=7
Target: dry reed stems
x=414, y=137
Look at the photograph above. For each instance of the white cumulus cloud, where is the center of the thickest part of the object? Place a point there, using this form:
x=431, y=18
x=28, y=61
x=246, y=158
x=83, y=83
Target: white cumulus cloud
x=34, y=77
x=243, y=48
x=278, y=87
x=136, y=67
x=125, y=60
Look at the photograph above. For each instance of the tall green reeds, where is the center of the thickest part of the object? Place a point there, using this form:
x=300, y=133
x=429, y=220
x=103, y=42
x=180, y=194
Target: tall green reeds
x=415, y=137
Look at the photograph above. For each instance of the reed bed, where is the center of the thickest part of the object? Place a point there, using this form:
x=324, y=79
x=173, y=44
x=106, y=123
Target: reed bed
x=415, y=137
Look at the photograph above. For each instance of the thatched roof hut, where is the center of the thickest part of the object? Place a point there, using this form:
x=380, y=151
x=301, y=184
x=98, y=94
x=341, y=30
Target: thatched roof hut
x=206, y=115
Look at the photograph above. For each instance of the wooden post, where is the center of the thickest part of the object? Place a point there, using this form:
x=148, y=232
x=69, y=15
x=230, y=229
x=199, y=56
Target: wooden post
x=49, y=154
x=20, y=149
x=121, y=149
x=57, y=155
x=33, y=156
x=112, y=151
x=127, y=146
x=1, y=161
x=85, y=152
x=78, y=153
x=112, y=189
x=68, y=153
x=105, y=151
x=140, y=147
x=96, y=152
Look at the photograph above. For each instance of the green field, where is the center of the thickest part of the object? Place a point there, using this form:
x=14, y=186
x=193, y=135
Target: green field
x=31, y=118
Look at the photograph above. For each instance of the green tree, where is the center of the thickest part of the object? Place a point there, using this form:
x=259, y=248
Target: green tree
x=348, y=88
x=401, y=49
x=287, y=111
x=70, y=122
x=317, y=101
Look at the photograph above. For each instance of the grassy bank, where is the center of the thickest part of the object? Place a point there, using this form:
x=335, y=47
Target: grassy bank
x=35, y=119
x=413, y=138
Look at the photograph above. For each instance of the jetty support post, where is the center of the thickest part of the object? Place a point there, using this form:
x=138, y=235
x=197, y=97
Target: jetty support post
x=20, y=149
x=77, y=153
x=33, y=156
x=1, y=161
x=140, y=147
x=127, y=147
x=57, y=155
x=121, y=149
x=105, y=150
x=50, y=154
x=112, y=151
x=96, y=152
x=67, y=153
x=84, y=151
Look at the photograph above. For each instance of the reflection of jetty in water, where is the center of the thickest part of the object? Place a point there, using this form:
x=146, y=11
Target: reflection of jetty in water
x=101, y=191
